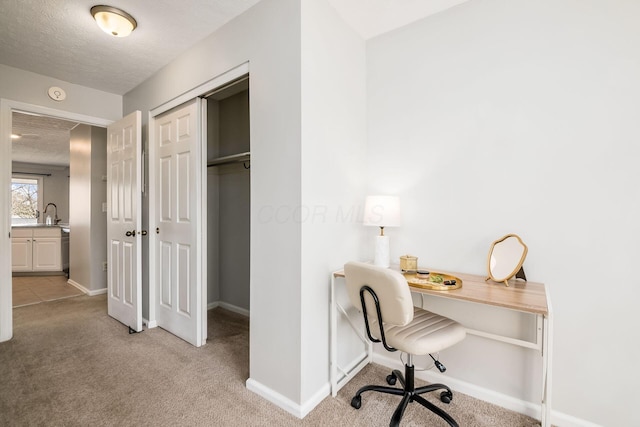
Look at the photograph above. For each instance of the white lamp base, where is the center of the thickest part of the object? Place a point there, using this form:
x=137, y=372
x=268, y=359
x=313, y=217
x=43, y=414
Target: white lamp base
x=382, y=252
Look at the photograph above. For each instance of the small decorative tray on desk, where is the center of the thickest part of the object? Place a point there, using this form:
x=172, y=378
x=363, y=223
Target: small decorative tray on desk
x=433, y=280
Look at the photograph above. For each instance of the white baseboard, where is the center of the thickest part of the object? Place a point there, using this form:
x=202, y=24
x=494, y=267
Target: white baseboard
x=487, y=395
x=287, y=404
x=558, y=419
x=530, y=409
x=85, y=290
x=230, y=307
x=564, y=420
x=276, y=398
x=315, y=400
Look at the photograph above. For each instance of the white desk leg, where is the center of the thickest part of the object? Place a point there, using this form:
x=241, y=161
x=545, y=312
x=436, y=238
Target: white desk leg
x=334, y=339
x=547, y=354
x=546, y=370
x=336, y=310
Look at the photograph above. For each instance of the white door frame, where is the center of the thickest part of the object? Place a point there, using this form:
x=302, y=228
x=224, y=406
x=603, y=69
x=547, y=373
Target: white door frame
x=7, y=107
x=196, y=92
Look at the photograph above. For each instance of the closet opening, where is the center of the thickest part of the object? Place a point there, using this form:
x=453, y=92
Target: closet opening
x=228, y=198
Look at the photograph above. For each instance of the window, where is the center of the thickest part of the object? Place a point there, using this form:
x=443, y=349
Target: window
x=26, y=199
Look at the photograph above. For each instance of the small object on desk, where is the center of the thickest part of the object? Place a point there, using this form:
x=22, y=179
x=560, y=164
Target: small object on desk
x=432, y=280
x=436, y=278
x=408, y=263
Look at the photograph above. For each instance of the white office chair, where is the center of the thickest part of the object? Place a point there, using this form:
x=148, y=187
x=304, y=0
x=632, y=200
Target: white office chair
x=384, y=297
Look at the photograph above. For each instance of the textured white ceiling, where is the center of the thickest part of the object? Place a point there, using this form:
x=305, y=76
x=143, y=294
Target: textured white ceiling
x=60, y=39
x=43, y=140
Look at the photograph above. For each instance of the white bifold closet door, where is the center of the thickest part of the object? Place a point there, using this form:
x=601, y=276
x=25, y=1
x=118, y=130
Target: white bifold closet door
x=177, y=211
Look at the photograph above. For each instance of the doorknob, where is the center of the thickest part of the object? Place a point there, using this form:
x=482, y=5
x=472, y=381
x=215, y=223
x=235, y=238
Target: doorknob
x=130, y=233
x=143, y=232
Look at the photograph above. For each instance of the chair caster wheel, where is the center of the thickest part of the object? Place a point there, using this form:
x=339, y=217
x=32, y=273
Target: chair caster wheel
x=446, y=397
x=391, y=379
x=356, y=402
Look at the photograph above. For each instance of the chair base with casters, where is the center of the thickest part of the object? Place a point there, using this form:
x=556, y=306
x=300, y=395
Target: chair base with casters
x=409, y=394
x=390, y=318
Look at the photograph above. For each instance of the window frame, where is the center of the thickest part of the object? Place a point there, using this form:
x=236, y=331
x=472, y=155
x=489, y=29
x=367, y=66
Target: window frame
x=40, y=203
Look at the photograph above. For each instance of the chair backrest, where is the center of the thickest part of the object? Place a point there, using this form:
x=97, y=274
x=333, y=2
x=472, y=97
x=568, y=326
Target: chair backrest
x=390, y=286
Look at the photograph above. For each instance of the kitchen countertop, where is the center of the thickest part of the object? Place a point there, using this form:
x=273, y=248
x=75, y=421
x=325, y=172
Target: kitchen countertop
x=63, y=226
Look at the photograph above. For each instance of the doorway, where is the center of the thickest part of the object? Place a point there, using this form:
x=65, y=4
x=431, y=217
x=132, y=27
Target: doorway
x=229, y=197
x=180, y=292
x=40, y=194
x=199, y=209
x=7, y=108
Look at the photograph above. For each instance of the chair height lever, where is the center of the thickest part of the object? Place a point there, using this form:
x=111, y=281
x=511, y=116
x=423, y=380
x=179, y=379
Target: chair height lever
x=439, y=365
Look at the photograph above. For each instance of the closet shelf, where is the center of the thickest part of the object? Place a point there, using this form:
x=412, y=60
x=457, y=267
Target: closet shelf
x=234, y=158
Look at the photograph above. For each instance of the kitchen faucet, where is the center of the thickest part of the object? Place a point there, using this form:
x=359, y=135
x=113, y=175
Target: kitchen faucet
x=56, y=220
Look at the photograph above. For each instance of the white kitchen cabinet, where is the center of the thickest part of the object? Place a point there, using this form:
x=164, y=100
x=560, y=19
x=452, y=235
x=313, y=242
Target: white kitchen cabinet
x=36, y=249
x=21, y=254
x=46, y=253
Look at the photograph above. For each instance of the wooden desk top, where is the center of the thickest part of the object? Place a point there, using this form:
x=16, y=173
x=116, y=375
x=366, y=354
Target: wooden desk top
x=529, y=297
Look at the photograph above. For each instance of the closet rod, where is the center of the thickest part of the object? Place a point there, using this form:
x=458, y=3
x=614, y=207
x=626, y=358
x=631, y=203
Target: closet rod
x=31, y=173
x=226, y=86
x=234, y=158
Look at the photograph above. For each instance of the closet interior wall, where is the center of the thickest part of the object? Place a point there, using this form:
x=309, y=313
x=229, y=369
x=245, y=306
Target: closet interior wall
x=228, y=198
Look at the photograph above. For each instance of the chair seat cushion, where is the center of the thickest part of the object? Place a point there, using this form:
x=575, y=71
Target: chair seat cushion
x=426, y=333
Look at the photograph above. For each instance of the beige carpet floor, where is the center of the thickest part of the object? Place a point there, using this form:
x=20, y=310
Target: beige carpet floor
x=69, y=364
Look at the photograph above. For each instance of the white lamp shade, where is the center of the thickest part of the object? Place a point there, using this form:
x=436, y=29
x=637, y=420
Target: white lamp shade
x=382, y=211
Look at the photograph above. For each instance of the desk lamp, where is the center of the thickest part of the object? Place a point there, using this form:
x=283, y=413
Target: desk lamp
x=382, y=211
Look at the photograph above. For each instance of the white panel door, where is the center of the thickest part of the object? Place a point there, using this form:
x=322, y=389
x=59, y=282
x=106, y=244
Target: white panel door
x=176, y=192
x=124, y=221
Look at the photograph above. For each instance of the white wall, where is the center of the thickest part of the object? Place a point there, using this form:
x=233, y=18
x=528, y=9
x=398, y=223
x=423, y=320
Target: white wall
x=26, y=91
x=306, y=157
x=235, y=237
x=88, y=238
x=333, y=174
x=516, y=116
x=268, y=36
x=31, y=88
x=98, y=244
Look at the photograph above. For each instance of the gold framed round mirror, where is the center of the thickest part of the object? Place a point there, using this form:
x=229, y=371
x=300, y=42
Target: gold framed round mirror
x=506, y=256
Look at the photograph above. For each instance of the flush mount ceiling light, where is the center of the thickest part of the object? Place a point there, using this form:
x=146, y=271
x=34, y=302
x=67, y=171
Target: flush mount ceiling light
x=114, y=21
